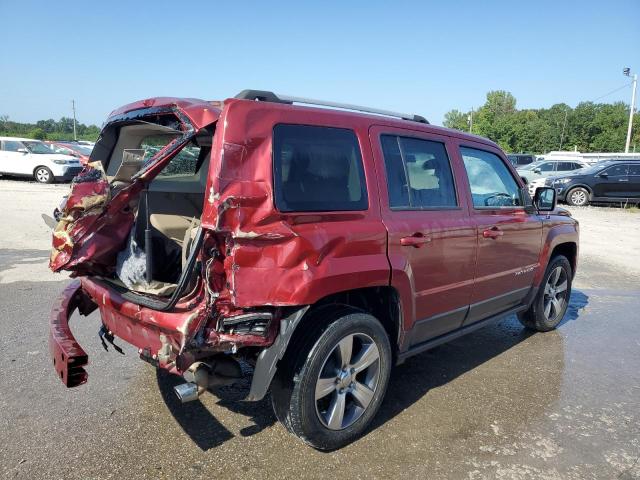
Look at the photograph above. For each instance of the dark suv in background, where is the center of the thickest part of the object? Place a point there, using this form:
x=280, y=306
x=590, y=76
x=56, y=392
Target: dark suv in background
x=609, y=181
x=520, y=159
x=321, y=246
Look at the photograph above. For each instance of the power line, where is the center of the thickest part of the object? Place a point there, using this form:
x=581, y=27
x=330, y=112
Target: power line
x=612, y=91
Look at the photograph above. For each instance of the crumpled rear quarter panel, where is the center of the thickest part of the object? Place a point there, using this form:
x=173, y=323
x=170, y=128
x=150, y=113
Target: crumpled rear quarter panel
x=275, y=258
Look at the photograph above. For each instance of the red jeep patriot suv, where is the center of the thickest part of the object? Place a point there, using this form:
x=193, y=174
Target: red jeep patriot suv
x=321, y=245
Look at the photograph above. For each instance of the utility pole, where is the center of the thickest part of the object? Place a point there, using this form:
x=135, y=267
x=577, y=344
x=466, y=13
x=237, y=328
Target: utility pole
x=470, y=120
x=564, y=124
x=627, y=72
x=73, y=106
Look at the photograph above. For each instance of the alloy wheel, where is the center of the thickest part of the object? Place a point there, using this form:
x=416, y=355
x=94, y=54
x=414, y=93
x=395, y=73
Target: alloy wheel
x=555, y=294
x=578, y=197
x=347, y=381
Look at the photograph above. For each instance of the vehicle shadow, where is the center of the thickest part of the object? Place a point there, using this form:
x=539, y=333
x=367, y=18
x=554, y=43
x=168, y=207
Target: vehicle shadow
x=204, y=429
x=409, y=382
x=579, y=300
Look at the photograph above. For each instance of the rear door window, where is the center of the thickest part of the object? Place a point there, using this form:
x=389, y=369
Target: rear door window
x=491, y=183
x=418, y=173
x=634, y=170
x=317, y=169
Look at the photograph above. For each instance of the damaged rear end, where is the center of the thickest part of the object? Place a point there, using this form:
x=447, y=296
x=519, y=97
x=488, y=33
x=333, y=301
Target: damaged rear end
x=132, y=231
x=172, y=229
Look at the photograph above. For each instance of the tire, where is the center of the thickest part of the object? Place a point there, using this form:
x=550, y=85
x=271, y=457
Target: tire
x=544, y=314
x=318, y=366
x=578, y=197
x=43, y=175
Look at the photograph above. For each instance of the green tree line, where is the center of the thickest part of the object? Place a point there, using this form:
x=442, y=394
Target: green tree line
x=48, y=129
x=589, y=127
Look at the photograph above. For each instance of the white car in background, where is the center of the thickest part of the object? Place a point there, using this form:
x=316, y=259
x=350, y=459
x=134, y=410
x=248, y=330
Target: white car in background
x=25, y=157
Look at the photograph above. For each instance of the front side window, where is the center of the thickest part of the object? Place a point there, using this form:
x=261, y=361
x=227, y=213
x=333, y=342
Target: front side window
x=546, y=167
x=491, y=183
x=317, y=169
x=617, y=171
x=418, y=173
x=38, y=147
x=11, y=146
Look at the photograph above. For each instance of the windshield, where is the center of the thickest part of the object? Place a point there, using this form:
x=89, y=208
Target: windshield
x=591, y=169
x=81, y=149
x=38, y=147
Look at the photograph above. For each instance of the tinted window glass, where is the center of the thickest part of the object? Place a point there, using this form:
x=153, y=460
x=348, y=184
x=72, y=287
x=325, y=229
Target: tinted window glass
x=547, y=167
x=566, y=166
x=397, y=183
x=418, y=173
x=616, y=171
x=634, y=169
x=317, y=169
x=491, y=182
x=11, y=146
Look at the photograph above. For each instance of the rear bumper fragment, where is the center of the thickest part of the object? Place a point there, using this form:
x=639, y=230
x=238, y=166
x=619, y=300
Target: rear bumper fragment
x=68, y=356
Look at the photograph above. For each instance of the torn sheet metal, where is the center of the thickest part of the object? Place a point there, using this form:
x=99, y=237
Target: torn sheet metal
x=274, y=258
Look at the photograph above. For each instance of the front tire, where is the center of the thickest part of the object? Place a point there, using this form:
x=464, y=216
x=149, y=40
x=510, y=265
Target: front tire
x=329, y=389
x=43, y=175
x=578, y=197
x=552, y=299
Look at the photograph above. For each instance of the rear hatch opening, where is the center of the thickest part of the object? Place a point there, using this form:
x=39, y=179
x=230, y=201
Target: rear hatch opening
x=132, y=219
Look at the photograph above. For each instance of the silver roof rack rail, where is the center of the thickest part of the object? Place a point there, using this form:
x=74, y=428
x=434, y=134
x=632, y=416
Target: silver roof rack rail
x=265, y=96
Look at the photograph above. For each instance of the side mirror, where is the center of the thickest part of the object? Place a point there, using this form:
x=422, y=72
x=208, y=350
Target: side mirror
x=545, y=199
x=537, y=170
x=23, y=150
x=603, y=175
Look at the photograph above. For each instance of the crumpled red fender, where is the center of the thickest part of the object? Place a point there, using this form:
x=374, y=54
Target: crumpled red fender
x=90, y=193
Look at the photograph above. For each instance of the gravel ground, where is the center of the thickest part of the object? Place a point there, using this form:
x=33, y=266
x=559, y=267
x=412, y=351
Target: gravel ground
x=501, y=403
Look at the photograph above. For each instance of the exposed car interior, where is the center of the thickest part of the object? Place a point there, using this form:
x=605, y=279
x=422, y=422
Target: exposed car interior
x=169, y=209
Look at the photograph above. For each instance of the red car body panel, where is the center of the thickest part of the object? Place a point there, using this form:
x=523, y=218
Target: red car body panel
x=70, y=146
x=286, y=258
x=69, y=359
x=272, y=259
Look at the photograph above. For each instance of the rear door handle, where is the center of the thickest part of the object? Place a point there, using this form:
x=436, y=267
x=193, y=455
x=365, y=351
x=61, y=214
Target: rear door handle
x=623, y=180
x=493, y=232
x=416, y=240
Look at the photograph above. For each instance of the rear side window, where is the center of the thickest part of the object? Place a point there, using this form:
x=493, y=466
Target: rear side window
x=634, y=170
x=564, y=166
x=492, y=185
x=418, y=173
x=317, y=169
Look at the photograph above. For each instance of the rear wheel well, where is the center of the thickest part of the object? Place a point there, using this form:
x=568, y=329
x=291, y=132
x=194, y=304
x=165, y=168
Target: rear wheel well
x=569, y=250
x=381, y=302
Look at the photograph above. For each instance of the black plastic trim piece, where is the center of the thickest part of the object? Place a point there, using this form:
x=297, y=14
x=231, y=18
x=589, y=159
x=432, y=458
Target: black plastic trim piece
x=429, y=344
x=266, y=364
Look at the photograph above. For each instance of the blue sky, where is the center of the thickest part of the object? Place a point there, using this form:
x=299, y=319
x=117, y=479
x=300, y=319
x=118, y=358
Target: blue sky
x=418, y=57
